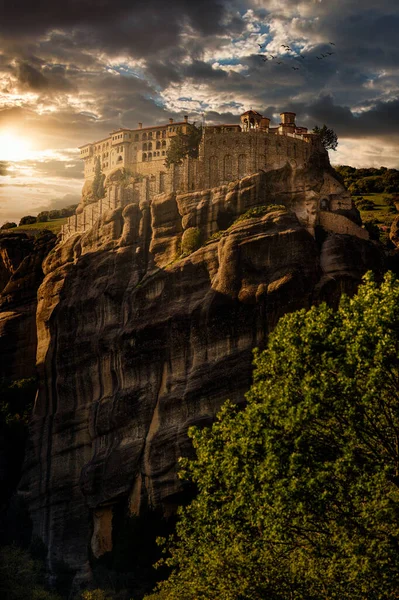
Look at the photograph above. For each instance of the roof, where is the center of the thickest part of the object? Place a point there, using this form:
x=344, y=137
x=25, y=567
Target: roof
x=251, y=112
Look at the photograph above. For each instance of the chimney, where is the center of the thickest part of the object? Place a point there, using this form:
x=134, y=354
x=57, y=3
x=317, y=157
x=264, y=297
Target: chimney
x=171, y=121
x=140, y=125
x=186, y=118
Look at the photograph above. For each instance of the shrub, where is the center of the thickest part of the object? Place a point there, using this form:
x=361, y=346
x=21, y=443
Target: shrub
x=259, y=211
x=191, y=240
x=8, y=225
x=28, y=220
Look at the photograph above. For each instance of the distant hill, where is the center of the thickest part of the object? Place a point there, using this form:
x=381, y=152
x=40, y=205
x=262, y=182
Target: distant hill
x=369, y=181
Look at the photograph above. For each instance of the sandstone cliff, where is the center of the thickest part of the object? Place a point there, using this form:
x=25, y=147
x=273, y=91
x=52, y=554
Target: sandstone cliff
x=136, y=343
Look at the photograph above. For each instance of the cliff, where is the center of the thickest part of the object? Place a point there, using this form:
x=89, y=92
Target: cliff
x=21, y=258
x=138, y=340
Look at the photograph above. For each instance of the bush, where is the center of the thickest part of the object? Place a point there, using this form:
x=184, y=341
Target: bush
x=8, y=225
x=298, y=492
x=191, y=240
x=259, y=211
x=42, y=217
x=28, y=220
x=21, y=577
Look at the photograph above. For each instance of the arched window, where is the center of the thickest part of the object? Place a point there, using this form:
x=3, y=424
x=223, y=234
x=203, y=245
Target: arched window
x=150, y=156
x=163, y=143
x=150, y=135
x=158, y=144
x=120, y=158
x=144, y=147
x=144, y=157
x=228, y=168
x=144, y=136
x=242, y=165
x=164, y=133
x=149, y=145
x=158, y=134
x=213, y=171
x=163, y=152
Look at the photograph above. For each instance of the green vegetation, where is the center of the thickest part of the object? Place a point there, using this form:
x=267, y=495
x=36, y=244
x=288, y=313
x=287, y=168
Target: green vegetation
x=54, y=226
x=191, y=241
x=98, y=190
x=184, y=144
x=298, y=493
x=22, y=577
x=8, y=225
x=369, y=181
x=328, y=137
x=259, y=211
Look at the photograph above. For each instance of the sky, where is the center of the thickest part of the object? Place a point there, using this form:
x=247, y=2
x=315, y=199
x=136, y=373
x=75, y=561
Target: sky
x=73, y=71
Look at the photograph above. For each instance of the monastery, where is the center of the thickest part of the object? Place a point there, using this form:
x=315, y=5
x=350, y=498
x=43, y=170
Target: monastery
x=133, y=163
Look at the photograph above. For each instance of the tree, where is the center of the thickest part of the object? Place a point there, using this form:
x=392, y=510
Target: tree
x=328, y=137
x=28, y=220
x=298, y=494
x=98, y=182
x=8, y=225
x=43, y=216
x=184, y=144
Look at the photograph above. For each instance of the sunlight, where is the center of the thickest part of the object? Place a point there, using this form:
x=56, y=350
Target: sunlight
x=14, y=147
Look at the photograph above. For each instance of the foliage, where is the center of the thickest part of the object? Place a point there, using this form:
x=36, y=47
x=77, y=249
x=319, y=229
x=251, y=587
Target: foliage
x=184, y=144
x=328, y=137
x=369, y=180
x=364, y=204
x=191, y=240
x=298, y=493
x=8, y=225
x=98, y=181
x=259, y=211
x=21, y=577
x=28, y=220
x=96, y=595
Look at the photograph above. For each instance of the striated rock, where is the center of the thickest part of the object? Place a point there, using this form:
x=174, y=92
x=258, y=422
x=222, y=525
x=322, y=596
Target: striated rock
x=21, y=257
x=136, y=344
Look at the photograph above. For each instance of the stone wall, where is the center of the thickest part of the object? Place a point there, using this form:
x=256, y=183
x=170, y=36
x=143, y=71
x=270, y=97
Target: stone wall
x=340, y=224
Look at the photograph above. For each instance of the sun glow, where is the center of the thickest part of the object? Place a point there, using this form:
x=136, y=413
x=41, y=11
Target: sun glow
x=13, y=147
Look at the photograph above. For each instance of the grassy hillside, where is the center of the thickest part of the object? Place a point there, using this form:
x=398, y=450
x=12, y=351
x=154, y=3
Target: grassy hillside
x=54, y=226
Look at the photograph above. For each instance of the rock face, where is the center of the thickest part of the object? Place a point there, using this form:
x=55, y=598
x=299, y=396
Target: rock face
x=136, y=343
x=21, y=257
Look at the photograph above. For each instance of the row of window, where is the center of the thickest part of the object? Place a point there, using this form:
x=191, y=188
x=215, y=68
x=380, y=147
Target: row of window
x=150, y=155
x=149, y=145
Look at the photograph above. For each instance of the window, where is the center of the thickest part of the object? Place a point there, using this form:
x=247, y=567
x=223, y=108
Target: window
x=144, y=136
x=149, y=145
x=136, y=137
x=164, y=133
x=163, y=152
x=158, y=144
x=164, y=144
x=150, y=156
x=144, y=157
x=145, y=147
x=158, y=134
x=150, y=135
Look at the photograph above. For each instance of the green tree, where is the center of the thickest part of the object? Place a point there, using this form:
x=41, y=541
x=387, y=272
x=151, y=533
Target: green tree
x=328, y=137
x=98, y=182
x=21, y=577
x=28, y=220
x=43, y=216
x=184, y=144
x=8, y=225
x=298, y=494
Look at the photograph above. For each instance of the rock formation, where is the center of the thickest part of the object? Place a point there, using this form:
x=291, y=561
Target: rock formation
x=136, y=343
x=21, y=257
